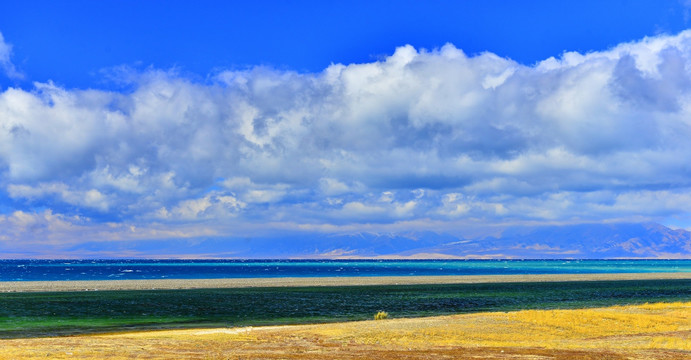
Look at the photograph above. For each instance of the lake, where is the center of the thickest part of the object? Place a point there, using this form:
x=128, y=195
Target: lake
x=131, y=269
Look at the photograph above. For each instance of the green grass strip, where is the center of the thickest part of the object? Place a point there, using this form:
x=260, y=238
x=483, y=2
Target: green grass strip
x=64, y=313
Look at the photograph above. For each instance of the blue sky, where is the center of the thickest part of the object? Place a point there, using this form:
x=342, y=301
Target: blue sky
x=129, y=120
x=72, y=42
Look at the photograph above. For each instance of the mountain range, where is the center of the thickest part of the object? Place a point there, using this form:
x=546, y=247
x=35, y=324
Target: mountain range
x=583, y=241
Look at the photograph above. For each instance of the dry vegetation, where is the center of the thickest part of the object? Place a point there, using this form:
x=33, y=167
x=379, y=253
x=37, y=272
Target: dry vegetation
x=659, y=331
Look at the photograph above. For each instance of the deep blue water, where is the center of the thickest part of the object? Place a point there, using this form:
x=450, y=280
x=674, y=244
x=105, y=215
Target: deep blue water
x=50, y=270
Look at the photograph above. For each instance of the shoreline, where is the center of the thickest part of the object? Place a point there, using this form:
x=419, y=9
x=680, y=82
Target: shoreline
x=179, y=284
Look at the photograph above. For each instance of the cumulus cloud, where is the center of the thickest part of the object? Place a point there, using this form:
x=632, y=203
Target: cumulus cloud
x=6, y=64
x=422, y=136
x=210, y=206
x=38, y=233
x=88, y=198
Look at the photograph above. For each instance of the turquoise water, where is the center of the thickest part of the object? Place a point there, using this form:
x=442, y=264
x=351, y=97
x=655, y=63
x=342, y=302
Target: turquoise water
x=52, y=270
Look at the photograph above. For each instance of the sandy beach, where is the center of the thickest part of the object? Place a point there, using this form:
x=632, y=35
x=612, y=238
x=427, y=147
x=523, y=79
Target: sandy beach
x=167, y=284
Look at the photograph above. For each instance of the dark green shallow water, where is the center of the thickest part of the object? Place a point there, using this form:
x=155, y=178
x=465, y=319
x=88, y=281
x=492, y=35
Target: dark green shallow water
x=64, y=313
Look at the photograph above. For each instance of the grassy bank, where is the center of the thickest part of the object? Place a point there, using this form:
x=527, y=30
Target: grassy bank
x=61, y=313
x=649, y=331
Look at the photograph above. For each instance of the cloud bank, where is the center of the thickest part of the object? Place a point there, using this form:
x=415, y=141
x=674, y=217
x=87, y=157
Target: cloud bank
x=419, y=139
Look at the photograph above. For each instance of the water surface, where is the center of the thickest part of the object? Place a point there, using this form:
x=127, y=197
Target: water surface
x=54, y=270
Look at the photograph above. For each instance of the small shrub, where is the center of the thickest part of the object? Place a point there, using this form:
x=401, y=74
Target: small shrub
x=381, y=315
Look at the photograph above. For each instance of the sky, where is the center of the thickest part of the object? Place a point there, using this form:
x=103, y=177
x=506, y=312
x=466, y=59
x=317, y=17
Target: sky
x=168, y=120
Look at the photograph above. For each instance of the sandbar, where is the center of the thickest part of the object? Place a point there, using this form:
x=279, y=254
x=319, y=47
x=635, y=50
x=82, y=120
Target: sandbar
x=171, y=284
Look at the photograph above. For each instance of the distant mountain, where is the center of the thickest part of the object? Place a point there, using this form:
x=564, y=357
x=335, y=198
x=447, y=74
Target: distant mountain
x=361, y=244
x=584, y=241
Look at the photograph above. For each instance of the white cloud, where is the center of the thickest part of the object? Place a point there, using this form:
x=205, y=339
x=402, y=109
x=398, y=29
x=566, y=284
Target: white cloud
x=6, y=64
x=405, y=210
x=49, y=234
x=453, y=205
x=263, y=196
x=386, y=196
x=256, y=193
x=331, y=186
x=357, y=209
x=420, y=135
x=90, y=198
x=211, y=206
